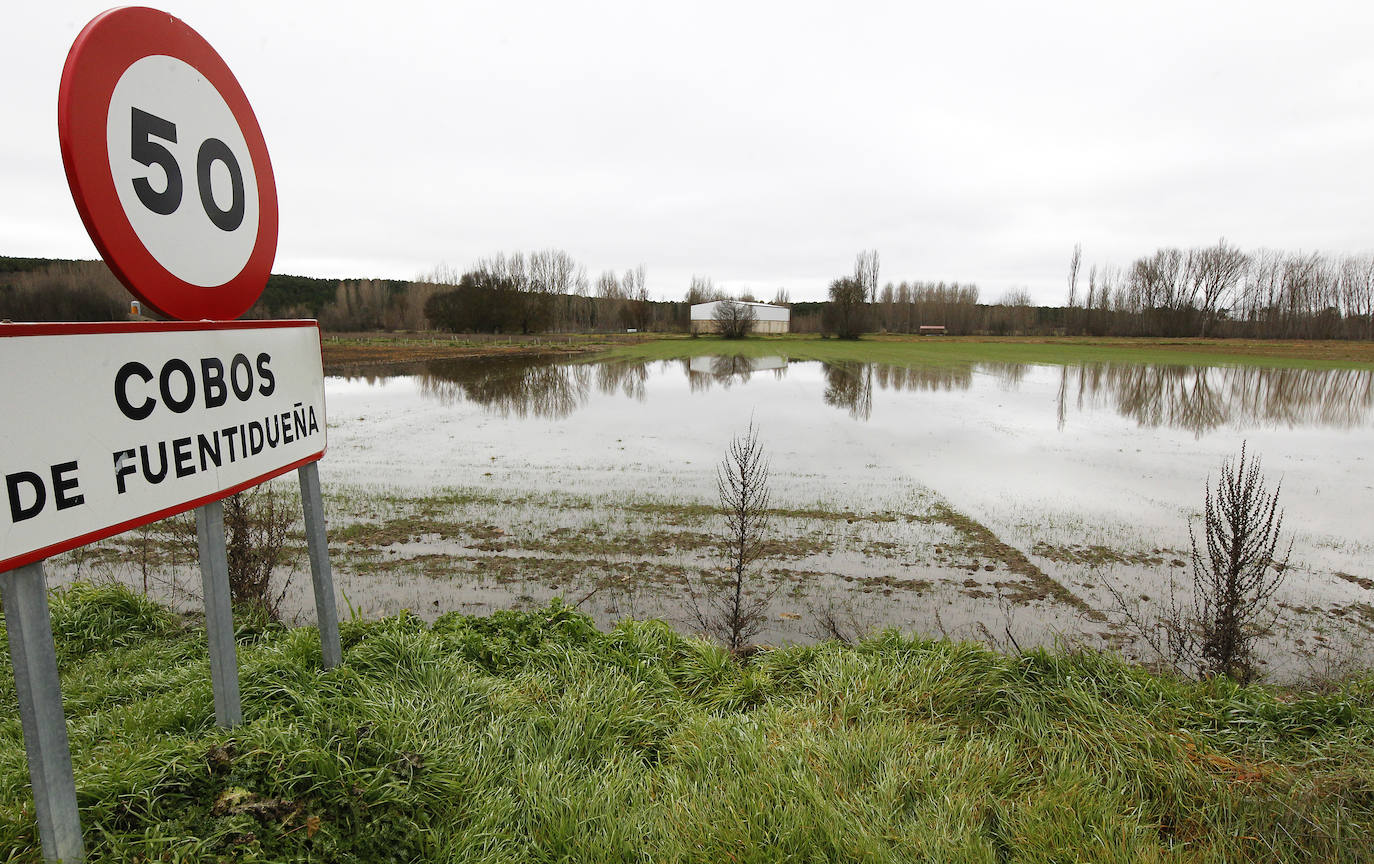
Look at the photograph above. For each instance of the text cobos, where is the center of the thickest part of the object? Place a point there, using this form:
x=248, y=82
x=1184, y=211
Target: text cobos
x=177, y=380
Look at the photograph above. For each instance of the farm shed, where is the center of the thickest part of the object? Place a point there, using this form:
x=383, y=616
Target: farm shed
x=767, y=318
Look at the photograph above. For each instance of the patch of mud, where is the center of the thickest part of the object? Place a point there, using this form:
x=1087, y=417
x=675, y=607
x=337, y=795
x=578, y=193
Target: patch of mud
x=1366, y=584
x=1103, y=556
x=1034, y=584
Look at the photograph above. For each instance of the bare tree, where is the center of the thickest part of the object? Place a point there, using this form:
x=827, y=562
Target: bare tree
x=866, y=273
x=1016, y=304
x=734, y=319
x=1075, y=261
x=844, y=314
x=1217, y=272
x=733, y=610
x=702, y=290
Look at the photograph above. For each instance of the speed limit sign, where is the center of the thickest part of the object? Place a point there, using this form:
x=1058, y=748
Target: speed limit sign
x=167, y=165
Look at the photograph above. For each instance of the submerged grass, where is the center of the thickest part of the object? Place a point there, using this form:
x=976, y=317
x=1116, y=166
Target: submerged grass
x=912, y=351
x=535, y=737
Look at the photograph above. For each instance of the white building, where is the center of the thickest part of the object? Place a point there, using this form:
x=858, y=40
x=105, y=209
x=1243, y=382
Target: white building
x=767, y=318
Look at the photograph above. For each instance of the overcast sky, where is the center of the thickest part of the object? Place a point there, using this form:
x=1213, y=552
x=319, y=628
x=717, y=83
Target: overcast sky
x=761, y=144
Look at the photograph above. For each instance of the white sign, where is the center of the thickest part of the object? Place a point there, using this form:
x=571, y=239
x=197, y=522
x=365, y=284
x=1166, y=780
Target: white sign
x=111, y=426
x=183, y=171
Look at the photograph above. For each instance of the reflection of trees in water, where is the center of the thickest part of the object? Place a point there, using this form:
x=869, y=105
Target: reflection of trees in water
x=1009, y=375
x=922, y=377
x=1196, y=398
x=625, y=376
x=1202, y=398
x=526, y=387
x=850, y=386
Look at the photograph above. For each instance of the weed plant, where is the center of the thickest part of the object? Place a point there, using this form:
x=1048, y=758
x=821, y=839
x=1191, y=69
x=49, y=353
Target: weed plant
x=535, y=737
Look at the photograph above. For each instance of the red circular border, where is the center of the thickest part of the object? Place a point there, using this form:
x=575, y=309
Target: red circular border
x=112, y=42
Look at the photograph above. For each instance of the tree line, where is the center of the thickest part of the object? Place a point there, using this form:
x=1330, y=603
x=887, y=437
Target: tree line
x=541, y=292
x=1221, y=290
x=1218, y=290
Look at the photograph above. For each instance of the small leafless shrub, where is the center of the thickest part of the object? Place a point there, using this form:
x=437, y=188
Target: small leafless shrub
x=256, y=526
x=734, y=609
x=1239, y=575
x=1235, y=575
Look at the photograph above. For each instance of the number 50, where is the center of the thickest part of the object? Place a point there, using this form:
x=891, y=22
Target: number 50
x=144, y=127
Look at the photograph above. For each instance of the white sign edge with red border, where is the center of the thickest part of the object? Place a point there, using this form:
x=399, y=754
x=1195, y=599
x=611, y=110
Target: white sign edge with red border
x=139, y=327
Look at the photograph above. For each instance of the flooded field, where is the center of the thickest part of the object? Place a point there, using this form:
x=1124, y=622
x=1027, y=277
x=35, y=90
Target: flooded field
x=982, y=501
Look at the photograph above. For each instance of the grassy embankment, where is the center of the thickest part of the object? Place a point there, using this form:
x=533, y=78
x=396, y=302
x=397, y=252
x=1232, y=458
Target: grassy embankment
x=533, y=737
x=912, y=350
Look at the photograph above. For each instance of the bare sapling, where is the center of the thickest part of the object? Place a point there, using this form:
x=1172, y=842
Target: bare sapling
x=735, y=609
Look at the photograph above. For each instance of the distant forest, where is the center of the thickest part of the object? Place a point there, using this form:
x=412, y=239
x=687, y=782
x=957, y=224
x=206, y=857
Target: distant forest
x=1213, y=291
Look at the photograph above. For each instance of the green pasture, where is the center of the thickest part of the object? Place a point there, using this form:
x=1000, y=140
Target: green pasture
x=937, y=350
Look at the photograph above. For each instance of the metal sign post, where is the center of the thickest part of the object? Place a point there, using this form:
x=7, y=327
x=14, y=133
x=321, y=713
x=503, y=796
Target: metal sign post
x=40, y=712
x=219, y=613
x=326, y=612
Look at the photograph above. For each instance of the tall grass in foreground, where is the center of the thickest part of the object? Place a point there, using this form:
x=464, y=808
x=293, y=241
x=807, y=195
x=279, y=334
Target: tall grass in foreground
x=534, y=737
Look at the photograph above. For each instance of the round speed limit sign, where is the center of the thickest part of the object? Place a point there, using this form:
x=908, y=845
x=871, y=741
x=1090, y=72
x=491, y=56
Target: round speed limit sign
x=167, y=165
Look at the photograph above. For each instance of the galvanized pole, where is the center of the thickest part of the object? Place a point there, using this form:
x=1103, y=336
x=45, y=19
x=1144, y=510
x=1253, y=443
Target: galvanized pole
x=40, y=712
x=219, y=613
x=326, y=612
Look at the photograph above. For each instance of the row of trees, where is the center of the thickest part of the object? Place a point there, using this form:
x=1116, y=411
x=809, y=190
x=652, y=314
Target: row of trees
x=1221, y=290
x=544, y=291
x=856, y=304
x=1218, y=290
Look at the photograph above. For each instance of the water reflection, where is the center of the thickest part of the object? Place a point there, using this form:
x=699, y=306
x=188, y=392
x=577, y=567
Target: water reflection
x=704, y=372
x=850, y=386
x=1194, y=398
x=1202, y=398
x=524, y=387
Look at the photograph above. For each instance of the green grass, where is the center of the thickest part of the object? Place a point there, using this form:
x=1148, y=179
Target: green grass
x=911, y=351
x=534, y=737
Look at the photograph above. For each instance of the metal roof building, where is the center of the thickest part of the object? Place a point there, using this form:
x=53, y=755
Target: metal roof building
x=767, y=317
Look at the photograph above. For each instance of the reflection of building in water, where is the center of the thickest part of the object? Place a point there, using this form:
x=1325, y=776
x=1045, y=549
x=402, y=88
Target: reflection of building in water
x=704, y=371
x=524, y=386
x=1203, y=398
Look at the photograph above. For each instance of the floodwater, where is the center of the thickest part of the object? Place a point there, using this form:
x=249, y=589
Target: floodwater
x=1102, y=444
x=1087, y=475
